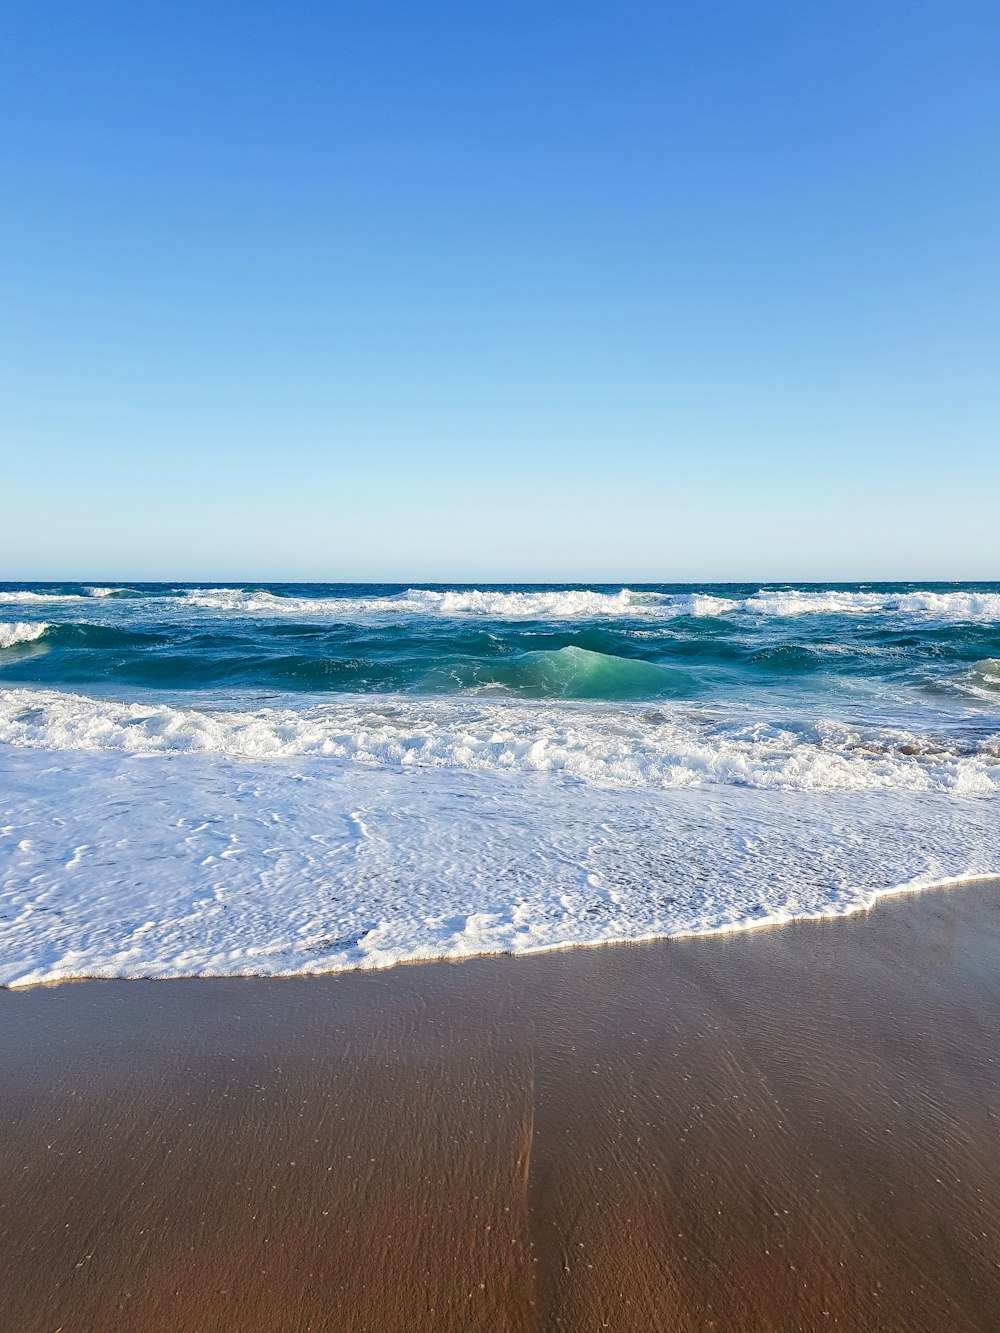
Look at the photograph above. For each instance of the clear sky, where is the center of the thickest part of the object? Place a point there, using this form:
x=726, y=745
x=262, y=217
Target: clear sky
x=470, y=290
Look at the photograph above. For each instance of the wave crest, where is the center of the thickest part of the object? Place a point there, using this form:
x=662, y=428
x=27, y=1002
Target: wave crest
x=983, y=679
x=593, y=604
x=953, y=606
x=559, y=604
x=20, y=631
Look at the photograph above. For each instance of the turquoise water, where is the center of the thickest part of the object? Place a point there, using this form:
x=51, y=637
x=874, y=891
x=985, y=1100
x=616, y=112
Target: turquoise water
x=888, y=647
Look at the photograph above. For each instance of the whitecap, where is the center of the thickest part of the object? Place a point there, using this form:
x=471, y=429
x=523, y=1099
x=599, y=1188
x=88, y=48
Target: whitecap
x=593, y=604
x=20, y=631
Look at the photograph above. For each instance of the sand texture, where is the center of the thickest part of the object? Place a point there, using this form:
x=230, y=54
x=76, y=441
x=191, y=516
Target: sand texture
x=796, y=1128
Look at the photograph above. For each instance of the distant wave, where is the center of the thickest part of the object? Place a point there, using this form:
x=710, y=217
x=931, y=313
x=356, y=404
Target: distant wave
x=964, y=606
x=20, y=631
x=588, y=604
x=555, y=604
x=602, y=744
x=25, y=596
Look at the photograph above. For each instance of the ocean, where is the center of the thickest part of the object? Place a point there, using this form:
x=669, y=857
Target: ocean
x=267, y=780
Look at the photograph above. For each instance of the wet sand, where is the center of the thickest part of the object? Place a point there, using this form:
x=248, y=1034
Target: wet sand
x=789, y=1129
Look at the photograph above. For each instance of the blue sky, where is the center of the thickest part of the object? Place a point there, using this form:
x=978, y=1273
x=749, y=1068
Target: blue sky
x=511, y=291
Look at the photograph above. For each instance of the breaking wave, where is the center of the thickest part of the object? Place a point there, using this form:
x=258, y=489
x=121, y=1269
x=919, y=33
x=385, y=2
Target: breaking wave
x=963, y=605
x=588, y=604
x=20, y=631
x=623, y=746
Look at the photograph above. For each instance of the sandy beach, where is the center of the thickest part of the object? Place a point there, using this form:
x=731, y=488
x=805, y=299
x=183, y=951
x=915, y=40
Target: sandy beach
x=499, y=668
x=792, y=1128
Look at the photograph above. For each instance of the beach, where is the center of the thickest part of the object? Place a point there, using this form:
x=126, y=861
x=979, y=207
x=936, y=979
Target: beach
x=500, y=669
x=788, y=1128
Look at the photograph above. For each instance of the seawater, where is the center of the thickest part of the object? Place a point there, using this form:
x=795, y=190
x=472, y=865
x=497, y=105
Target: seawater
x=276, y=779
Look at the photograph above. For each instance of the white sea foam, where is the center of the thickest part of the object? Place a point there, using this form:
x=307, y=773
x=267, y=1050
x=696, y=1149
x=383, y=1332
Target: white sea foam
x=959, y=606
x=27, y=596
x=179, y=865
x=566, y=604
x=610, y=745
x=588, y=604
x=20, y=631
x=24, y=596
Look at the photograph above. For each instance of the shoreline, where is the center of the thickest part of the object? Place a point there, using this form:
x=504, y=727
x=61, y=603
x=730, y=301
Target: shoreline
x=719, y=932
x=773, y=1129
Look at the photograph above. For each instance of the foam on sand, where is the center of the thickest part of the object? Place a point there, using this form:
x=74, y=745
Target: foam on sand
x=187, y=865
